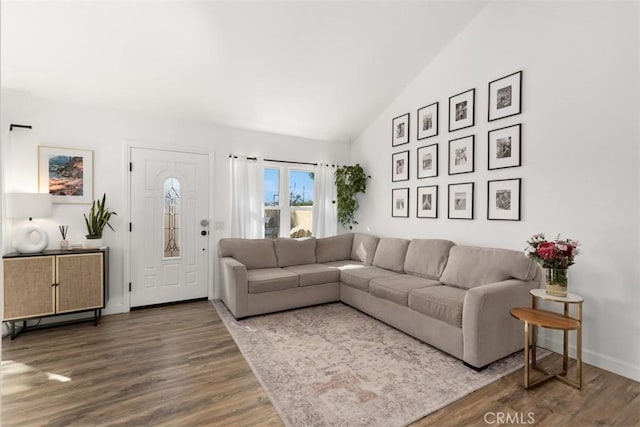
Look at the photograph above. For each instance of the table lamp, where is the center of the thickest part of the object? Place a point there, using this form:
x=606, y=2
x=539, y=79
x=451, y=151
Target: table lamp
x=29, y=238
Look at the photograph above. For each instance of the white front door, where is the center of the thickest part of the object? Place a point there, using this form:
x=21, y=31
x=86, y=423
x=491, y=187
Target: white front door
x=169, y=226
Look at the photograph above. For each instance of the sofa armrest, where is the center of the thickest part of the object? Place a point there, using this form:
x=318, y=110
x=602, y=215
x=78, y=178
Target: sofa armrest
x=234, y=287
x=489, y=331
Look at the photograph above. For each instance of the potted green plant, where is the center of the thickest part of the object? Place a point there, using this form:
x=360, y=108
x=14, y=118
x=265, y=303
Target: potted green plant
x=99, y=217
x=349, y=180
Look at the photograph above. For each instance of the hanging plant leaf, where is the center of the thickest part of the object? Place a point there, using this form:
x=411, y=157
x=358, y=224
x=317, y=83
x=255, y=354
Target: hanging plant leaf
x=349, y=180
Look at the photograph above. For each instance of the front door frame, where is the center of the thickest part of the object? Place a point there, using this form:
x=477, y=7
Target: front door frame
x=128, y=146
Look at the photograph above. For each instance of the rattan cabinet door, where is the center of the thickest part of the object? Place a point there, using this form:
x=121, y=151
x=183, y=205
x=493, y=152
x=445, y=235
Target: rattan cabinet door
x=80, y=282
x=28, y=287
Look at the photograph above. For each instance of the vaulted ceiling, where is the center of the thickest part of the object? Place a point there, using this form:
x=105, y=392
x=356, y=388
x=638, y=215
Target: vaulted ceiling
x=315, y=69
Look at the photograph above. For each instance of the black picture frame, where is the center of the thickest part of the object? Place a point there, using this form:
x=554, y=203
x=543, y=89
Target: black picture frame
x=504, y=197
x=427, y=121
x=505, y=96
x=427, y=201
x=461, y=201
x=400, y=130
x=504, y=147
x=462, y=155
x=427, y=161
x=400, y=166
x=400, y=202
x=462, y=110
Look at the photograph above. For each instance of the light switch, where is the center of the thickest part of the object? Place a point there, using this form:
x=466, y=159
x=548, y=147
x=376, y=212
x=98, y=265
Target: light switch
x=219, y=225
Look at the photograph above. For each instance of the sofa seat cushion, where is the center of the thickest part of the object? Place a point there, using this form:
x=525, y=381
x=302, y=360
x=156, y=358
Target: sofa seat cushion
x=348, y=264
x=315, y=274
x=396, y=288
x=440, y=302
x=359, y=277
x=271, y=279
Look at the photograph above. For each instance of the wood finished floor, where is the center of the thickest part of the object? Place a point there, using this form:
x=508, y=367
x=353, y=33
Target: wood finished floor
x=178, y=366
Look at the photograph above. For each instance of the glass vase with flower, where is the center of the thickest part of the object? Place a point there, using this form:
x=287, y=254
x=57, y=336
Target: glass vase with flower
x=555, y=257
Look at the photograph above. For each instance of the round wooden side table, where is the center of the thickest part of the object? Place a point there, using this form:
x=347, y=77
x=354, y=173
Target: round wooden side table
x=534, y=317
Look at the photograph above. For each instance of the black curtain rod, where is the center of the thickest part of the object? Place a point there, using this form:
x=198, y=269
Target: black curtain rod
x=285, y=161
x=11, y=126
x=281, y=161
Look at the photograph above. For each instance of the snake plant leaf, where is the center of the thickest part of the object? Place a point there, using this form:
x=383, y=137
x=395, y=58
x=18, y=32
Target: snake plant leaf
x=99, y=217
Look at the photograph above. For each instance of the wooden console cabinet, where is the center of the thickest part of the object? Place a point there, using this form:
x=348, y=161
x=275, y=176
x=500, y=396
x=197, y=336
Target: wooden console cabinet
x=53, y=283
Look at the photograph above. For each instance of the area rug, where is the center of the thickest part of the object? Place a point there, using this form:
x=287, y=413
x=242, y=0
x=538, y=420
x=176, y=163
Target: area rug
x=331, y=365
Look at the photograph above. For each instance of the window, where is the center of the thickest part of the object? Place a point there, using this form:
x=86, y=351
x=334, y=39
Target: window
x=292, y=217
x=300, y=203
x=271, y=202
x=171, y=218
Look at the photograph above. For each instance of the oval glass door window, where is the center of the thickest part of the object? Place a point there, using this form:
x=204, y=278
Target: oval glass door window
x=171, y=218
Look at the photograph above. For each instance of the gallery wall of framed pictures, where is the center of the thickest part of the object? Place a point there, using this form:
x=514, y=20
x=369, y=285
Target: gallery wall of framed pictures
x=503, y=149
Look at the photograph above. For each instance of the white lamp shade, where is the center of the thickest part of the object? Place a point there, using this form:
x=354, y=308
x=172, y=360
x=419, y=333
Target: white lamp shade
x=28, y=205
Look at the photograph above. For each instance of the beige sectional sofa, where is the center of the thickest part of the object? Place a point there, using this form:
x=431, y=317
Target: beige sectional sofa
x=456, y=298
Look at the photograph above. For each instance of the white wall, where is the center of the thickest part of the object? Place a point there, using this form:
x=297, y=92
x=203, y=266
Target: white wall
x=107, y=133
x=580, y=152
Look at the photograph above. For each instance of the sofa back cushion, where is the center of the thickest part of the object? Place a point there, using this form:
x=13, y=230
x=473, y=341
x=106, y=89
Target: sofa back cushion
x=390, y=254
x=470, y=266
x=295, y=252
x=253, y=253
x=364, y=248
x=427, y=257
x=336, y=248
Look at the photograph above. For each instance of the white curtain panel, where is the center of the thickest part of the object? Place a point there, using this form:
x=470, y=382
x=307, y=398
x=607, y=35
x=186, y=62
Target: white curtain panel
x=247, y=194
x=325, y=213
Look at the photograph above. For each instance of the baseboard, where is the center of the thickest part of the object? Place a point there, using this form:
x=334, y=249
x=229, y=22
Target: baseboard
x=165, y=304
x=600, y=360
x=114, y=309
